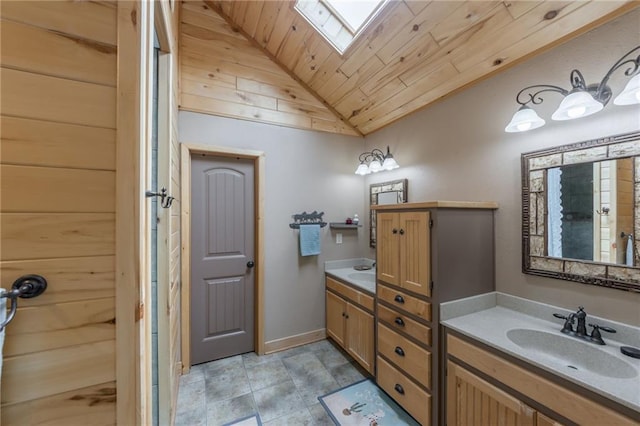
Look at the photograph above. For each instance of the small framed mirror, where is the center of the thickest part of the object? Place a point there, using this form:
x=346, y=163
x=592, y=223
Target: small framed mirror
x=393, y=192
x=581, y=212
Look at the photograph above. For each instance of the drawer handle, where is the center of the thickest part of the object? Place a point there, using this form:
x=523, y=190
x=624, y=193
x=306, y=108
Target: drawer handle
x=399, y=299
x=399, y=351
x=399, y=321
x=399, y=389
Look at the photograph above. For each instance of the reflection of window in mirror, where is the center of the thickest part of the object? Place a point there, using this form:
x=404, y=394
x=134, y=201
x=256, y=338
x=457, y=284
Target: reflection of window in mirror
x=388, y=198
x=393, y=192
x=589, y=210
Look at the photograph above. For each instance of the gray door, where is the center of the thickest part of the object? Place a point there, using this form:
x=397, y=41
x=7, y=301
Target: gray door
x=222, y=256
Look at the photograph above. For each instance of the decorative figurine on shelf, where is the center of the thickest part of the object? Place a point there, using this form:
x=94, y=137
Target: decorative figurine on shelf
x=355, y=220
x=348, y=221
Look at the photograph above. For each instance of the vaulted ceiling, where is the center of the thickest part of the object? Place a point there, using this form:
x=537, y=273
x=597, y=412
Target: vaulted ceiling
x=414, y=52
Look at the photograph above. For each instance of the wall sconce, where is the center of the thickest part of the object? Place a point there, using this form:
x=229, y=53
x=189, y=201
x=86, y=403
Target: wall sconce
x=375, y=161
x=582, y=100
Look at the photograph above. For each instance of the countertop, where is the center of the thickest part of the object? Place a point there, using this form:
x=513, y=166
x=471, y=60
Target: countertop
x=343, y=270
x=491, y=205
x=488, y=318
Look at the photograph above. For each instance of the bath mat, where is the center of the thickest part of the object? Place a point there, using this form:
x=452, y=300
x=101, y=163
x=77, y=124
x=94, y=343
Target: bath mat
x=364, y=404
x=253, y=420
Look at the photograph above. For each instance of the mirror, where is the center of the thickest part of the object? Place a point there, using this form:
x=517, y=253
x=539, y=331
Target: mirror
x=393, y=192
x=581, y=212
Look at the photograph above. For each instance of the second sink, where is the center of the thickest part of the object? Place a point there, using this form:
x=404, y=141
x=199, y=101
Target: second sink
x=574, y=354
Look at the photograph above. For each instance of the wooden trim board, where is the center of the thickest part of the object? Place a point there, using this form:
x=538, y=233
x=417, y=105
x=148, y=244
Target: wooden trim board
x=439, y=204
x=129, y=251
x=296, y=340
x=186, y=149
x=167, y=392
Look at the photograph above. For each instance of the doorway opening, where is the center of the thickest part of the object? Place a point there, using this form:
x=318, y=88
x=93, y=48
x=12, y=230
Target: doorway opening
x=256, y=160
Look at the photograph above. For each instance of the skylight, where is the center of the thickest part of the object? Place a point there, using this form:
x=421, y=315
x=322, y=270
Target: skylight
x=339, y=21
x=354, y=13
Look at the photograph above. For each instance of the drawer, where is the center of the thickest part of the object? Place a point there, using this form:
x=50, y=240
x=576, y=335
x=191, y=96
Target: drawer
x=408, y=356
x=401, y=300
x=350, y=293
x=401, y=322
x=410, y=396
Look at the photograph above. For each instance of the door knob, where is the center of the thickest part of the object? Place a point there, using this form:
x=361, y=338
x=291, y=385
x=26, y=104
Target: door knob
x=401, y=231
x=250, y=264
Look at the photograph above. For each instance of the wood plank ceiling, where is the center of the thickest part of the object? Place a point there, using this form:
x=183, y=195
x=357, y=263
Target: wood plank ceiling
x=415, y=52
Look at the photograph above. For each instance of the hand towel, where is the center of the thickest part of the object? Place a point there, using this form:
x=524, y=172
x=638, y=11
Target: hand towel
x=3, y=316
x=629, y=250
x=309, y=240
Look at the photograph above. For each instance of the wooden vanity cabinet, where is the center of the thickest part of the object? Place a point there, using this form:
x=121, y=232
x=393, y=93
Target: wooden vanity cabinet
x=350, y=321
x=426, y=254
x=474, y=401
x=497, y=397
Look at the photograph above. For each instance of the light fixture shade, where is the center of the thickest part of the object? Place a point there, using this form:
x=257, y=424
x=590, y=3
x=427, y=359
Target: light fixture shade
x=390, y=163
x=631, y=93
x=375, y=166
x=524, y=119
x=362, y=169
x=576, y=104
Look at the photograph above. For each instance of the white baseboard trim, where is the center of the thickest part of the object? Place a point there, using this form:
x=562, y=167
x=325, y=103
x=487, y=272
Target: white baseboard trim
x=293, y=341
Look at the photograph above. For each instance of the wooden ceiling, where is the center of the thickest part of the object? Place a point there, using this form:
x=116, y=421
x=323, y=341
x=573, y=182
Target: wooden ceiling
x=415, y=52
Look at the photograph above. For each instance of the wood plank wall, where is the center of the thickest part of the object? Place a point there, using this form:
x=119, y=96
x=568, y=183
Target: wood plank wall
x=222, y=73
x=58, y=206
x=624, y=205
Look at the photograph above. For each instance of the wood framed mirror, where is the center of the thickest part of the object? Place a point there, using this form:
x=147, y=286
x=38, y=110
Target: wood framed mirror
x=392, y=192
x=581, y=212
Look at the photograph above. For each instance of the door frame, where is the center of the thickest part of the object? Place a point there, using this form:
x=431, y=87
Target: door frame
x=167, y=396
x=258, y=157
x=132, y=405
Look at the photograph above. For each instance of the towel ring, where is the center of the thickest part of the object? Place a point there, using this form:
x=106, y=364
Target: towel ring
x=25, y=287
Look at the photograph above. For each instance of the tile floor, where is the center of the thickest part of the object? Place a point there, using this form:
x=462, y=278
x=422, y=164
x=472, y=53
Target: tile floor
x=282, y=387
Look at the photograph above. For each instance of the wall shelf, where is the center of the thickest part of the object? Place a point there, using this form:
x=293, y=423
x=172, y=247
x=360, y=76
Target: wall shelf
x=342, y=225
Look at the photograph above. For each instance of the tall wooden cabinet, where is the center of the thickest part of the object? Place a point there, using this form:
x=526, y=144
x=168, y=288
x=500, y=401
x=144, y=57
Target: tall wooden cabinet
x=404, y=241
x=427, y=253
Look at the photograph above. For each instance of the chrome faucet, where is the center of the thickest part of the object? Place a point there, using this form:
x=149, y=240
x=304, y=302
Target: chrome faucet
x=581, y=329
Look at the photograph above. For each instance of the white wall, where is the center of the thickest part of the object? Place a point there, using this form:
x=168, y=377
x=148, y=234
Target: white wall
x=457, y=150
x=305, y=171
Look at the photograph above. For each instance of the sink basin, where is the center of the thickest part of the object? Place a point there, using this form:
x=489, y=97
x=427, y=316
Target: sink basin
x=362, y=276
x=571, y=353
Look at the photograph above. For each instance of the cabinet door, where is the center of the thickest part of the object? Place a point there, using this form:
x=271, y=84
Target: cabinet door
x=336, y=314
x=387, y=254
x=359, y=336
x=542, y=420
x=473, y=401
x=415, y=259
